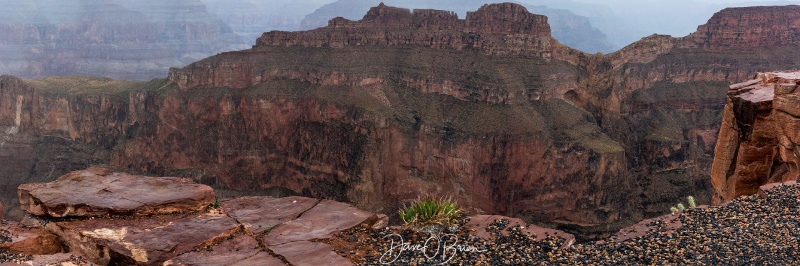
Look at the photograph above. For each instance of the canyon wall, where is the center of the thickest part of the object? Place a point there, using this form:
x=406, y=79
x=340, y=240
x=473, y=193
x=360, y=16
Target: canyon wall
x=126, y=40
x=489, y=110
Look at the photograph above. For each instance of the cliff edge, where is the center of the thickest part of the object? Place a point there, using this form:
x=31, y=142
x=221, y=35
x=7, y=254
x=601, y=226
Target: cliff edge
x=758, y=139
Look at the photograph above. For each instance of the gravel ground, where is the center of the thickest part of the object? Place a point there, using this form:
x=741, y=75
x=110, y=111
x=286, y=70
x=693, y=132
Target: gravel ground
x=753, y=230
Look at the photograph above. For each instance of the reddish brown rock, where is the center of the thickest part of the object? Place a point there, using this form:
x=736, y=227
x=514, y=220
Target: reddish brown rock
x=758, y=136
x=320, y=222
x=309, y=253
x=481, y=31
x=750, y=27
x=241, y=250
x=479, y=223
x=31, y=241
x=671, y=222
x=98, y=191
x=259, y=214
x=145, y=241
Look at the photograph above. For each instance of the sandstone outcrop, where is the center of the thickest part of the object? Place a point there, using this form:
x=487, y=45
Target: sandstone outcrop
x=31, y=241
x=568, y=28
x=758, y=136
x=500, y=29
x=732, y=28
x=99, y=192
x=242, y=250
x=230, y=234
x=259, y=214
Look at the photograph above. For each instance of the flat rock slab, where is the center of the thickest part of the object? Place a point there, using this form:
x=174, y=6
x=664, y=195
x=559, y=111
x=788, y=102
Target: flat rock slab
x=98, y=191
x=147, y=241
x=241, y=250
x=307, y=253
x=259, y=214
x=320, y=222
x=28, y=241
x=642, y=228
x=479, y=223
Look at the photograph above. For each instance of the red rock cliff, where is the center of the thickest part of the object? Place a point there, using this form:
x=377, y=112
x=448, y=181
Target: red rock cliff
x=501, y=29
x=759, y=135
x=750, y=27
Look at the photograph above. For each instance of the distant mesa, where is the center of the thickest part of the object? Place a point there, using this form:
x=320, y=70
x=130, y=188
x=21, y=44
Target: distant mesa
x=750, y=27
x=494, y=28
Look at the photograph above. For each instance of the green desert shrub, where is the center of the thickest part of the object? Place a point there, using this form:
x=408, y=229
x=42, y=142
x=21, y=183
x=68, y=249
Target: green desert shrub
x=426, y=212
x=681, y=207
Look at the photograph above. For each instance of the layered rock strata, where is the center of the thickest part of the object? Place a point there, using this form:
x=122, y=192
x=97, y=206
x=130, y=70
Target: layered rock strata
x=758, y=137
x=584, y=142
x=102, y=192
x=120, y=39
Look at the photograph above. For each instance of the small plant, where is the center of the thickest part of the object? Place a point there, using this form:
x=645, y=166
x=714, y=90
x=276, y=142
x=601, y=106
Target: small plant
x=681, y=207
x=426, y=212
x=216, y=203
x=692, y=204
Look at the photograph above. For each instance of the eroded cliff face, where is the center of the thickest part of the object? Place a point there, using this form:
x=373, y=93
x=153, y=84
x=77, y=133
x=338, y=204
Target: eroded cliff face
x=758, y=136
x=489, y=110
x=125, y=40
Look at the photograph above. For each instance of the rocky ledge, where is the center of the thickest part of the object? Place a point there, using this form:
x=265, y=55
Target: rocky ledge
x=104, y=217
x=505, y=28
x=758, y=138
x=758, y=229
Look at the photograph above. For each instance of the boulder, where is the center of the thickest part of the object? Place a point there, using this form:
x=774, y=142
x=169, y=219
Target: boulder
x=30, y=241
x=99, y=191
x=259, y=214
x=143, y=241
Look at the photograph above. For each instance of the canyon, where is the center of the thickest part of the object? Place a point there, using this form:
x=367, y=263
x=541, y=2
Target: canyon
x=489, y=110
x=118, y=39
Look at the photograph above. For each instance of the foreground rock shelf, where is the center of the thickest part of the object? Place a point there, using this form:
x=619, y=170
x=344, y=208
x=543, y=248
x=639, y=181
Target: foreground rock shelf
x=97, y=216
x=305, y=231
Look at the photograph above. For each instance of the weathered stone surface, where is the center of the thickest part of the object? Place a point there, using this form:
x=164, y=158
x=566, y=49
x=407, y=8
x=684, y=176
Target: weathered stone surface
x=758, y=136
x=98, y=191
x=2, y=212
x=241, y=250
x=147, y=241
x=307, y=253
x=734, y=28
x=259, y=214
x=479, y=223
x=642, y=228
x=384, y=25
x=319, y=222
x=32, y=241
